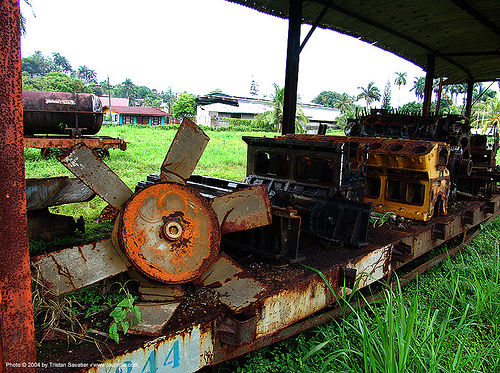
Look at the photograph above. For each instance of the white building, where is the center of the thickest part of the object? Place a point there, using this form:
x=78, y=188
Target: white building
x=213, y=109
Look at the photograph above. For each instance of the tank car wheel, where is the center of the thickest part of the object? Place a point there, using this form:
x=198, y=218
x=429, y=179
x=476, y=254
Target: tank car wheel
x=101, y=153
x=46, y=153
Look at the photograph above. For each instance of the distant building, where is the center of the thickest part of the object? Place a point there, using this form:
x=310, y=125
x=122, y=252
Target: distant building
x=147, y=116
x=213, y=110
x=115, y=101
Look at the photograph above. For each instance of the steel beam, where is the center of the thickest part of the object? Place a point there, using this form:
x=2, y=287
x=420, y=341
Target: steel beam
x=429, y=77
x=313, y=28
x=17, y=341
x=292, y=67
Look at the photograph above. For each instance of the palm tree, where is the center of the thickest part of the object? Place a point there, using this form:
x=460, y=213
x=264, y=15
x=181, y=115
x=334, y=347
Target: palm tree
x=370, y=94
x=419, y=87
x=273, y=119
x=87, y=75
x=487, y=115
x=129, y=87
x=400, y=80
x=344, y=103
x=60, y=63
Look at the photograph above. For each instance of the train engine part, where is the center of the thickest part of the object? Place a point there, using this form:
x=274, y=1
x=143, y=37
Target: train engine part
x=315, y=183
x=408, y=177
x=471, y=159
x=452, y=129
x=62, y=113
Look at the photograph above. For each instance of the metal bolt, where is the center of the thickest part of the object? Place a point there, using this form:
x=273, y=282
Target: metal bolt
x=172, y=230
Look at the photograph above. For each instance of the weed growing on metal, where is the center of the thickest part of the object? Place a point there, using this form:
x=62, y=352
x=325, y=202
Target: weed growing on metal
x=57, y=317
x=123, y=314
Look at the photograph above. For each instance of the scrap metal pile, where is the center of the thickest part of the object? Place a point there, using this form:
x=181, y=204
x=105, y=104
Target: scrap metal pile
x=306, y=199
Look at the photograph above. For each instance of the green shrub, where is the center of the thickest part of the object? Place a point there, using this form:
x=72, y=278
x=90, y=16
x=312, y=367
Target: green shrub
x=238, y=124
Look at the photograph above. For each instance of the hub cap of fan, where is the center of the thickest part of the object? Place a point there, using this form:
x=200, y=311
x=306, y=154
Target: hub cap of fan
x=169, y=233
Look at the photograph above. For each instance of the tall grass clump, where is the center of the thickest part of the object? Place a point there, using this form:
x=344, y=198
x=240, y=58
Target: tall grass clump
x=395, y=336
x=446, y=321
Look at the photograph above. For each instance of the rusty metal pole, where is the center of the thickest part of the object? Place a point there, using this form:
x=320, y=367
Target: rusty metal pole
x=17, y=340
x=440, y=91
x=468, y=103
x=429, y=78
x=292, y=67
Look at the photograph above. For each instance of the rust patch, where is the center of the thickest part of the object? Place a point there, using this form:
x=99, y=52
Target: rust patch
x=59, y=142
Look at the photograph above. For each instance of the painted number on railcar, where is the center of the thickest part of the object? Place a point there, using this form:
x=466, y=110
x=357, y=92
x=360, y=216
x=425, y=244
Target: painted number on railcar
x=180, y=354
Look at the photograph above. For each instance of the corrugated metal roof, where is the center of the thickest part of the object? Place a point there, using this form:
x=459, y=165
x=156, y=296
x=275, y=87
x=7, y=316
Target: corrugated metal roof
x=248, y=106
x=138, y=110
x=464, y=35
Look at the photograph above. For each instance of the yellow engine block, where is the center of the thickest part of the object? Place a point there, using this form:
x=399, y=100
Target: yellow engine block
x=408, y=177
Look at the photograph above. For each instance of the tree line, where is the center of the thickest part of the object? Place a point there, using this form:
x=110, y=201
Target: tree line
x=371, y=94
x=55, y=73
x=483, y=96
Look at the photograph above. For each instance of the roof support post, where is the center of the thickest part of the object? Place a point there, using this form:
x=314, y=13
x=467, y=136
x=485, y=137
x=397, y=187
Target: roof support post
x=292, y=67
x=429, y=78
x=440, y=91
x=468, y=103
x=17, y=336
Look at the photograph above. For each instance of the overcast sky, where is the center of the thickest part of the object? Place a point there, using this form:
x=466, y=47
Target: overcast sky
x=201, y=45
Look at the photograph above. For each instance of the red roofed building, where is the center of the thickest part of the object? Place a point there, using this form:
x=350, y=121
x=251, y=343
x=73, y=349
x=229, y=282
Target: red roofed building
x=137, y=115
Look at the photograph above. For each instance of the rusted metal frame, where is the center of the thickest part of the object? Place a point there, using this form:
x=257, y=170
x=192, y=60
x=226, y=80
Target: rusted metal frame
x=17, y=334
x=279, y=318
x=292, y=67
x=464, y=5
x=66, y=142
x=314, y=26
x=429, y=78
x=468, y=103
x=378, y=261
x=392, y=32
x=440, y=90
x=228, y=353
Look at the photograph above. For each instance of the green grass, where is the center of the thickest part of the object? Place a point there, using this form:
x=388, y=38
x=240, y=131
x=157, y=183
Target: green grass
x=446, y=321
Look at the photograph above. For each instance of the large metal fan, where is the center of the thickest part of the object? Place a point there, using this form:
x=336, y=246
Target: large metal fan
x=167, y=232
